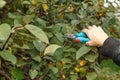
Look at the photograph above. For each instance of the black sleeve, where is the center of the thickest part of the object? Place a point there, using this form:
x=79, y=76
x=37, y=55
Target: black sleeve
x=111, y=48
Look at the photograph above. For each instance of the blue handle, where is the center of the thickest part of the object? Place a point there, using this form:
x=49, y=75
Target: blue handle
x=82, y=39
x=81, y=34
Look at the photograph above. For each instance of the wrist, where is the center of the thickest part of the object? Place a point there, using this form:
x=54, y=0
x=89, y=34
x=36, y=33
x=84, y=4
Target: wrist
x=102, y=42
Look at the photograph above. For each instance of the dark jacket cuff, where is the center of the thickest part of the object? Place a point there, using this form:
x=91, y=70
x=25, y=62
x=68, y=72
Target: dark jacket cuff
x=110, y=47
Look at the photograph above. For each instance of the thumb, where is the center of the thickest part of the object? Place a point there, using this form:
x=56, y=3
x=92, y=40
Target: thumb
x=89, y=43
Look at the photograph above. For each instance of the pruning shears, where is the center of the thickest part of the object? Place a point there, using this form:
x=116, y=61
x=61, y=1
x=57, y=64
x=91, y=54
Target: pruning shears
x=79, y=37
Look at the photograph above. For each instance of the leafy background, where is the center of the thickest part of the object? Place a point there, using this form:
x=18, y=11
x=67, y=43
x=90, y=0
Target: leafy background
x=33, y=47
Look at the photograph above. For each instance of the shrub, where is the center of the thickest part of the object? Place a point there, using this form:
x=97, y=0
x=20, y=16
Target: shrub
x=33, y=47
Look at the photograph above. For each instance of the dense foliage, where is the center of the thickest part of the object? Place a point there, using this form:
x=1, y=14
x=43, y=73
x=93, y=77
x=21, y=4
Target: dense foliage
x=33, y=47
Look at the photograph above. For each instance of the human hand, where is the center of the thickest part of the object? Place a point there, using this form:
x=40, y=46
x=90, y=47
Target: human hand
x=96, y=35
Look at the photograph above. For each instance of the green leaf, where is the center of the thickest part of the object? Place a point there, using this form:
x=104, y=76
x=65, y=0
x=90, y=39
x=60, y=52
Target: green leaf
x=75, y=22
x=52, y=76
x=58, y=54
x=39, y=33
x=7, y=55
x=91, y=57
x=112, y=21
x=28, y=18
x=108, y=63
x=26, y=2
x=21, y=63
x=58, y=65
x=41, y=22
x=85, y=5
x=17, y=73
x=54, y=69
x=91, y=76
x=4, y=32
x=74, y=77
x=51, y=49
x=39, y=45
x=37, y=58
x=2, y=3
x=60, y=27
x=59, y=37
x=34, y=53
x=83, y=50
x=11, y=15
x=36, y=65
x=17, y=23
x=70, y=50
x=67, y=60
x=110, y=14
x=33, y=73
x=95, y=21
x=54, y=40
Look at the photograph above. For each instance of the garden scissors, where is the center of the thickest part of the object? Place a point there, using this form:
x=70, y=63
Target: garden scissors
x=79, y=37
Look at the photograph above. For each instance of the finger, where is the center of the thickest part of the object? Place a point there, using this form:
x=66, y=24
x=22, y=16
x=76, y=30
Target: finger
x=85, y=31
x=94, y=26
x=89, y=43
x=100, y=28
x=90, y=27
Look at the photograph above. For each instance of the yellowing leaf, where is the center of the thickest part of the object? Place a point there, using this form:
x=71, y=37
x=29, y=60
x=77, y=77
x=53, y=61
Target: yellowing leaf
x=39, y=33
x=40, y=0
x=51, y=49
x=33, y=2
x=83, y=63
x=45, y=7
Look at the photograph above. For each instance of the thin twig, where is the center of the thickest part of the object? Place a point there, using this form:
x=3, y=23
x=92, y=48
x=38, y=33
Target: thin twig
x=5, y=75
x=6, y=42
